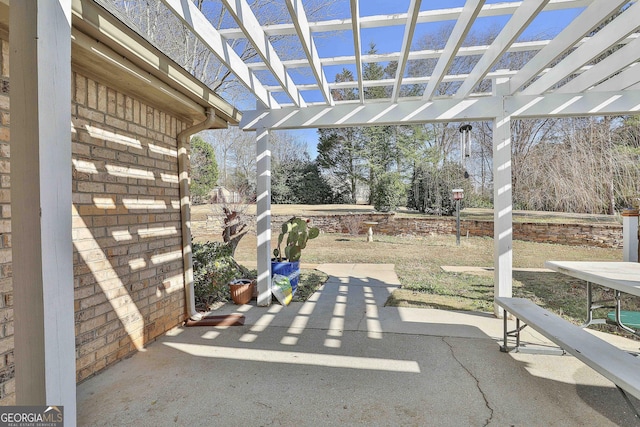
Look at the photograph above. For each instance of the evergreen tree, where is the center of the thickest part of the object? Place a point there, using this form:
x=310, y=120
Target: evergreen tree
x=204, y=170
x=340, y=149
x=431, y=185
x=299, y=181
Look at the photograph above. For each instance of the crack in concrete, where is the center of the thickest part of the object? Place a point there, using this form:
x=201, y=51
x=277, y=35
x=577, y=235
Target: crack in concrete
x=484, y=396
x=363, y=318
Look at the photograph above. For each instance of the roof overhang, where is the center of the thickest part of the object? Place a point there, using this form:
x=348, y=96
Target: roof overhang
x=105, y=48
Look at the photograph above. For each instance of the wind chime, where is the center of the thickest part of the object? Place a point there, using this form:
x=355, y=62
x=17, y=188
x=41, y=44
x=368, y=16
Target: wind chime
x=465, y=146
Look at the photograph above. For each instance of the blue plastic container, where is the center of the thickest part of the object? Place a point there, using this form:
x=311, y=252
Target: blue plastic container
x=289, y=269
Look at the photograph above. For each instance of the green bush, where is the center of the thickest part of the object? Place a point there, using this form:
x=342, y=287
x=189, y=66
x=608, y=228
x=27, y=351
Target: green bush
x=204, y=170
x=474, y=200
x=213, y=269
x=389, y=192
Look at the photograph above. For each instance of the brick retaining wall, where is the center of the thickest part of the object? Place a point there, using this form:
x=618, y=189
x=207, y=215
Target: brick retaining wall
x=600, y=235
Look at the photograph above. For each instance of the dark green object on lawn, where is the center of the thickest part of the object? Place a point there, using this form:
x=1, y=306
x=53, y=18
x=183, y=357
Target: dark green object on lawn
x=627, y=318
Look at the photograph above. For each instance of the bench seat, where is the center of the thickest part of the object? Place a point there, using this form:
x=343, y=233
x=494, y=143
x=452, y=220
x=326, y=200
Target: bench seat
x=620, y=367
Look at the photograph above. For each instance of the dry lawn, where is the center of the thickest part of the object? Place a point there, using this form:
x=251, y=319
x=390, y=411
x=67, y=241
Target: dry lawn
x=418, y=263
x=199, y=212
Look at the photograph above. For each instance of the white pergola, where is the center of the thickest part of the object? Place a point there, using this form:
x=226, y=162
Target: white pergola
x=565, y=76
x=569, y=75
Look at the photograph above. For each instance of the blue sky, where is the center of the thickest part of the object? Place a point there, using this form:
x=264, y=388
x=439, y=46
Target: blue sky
x=389, y=39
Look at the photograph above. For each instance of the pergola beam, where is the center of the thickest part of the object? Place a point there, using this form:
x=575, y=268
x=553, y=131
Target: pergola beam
x=191, y=16
x=247, y=21
x=417, y=111
x=299, y=17
x=519, y=21
x=440, y=15
x=572, y=33
x=395, y=56
x=390, y=82
x=615, y=31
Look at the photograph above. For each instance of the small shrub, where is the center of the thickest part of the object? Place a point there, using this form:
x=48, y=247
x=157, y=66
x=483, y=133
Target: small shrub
x=213, y=269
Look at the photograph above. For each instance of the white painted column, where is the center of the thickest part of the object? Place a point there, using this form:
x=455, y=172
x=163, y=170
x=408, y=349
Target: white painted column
x=502, y=201
x=630, y=235
x=263, y=215
x=40, y=46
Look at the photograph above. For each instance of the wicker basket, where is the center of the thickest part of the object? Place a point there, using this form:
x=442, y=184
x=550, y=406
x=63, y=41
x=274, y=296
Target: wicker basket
x=241, y=290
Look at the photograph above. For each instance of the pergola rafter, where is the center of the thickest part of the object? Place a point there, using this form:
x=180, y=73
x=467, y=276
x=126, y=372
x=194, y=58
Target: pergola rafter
x=578, y=28
x=357, y=46
x=409, y=29
x=605, y=39
x=245, y=18
x=302, y=27
x=460, y=31
x=626, y=80
x=519, y=21
x=193, y=19
x=620, y=59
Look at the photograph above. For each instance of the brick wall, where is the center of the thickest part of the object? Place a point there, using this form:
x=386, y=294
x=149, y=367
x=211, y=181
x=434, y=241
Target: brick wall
x=7, y=367
x=602, y=235
x=128, y=273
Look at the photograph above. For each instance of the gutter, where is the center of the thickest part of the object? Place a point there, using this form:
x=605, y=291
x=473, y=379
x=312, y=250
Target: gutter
x=184, y=140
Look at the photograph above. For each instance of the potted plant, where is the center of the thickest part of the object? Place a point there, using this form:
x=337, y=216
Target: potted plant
x=286, y=260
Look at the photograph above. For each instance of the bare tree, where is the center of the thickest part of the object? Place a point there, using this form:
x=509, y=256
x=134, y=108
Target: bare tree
x=580, y=170
x=236, y=154
x=158, y=25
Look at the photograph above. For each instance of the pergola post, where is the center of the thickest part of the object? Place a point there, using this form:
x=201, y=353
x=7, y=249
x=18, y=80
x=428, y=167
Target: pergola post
x=502, y=200
x=263, y=215
x=42, y=251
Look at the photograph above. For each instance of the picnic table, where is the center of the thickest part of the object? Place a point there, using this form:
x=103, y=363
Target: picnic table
x=622, y=277
x=620, y=367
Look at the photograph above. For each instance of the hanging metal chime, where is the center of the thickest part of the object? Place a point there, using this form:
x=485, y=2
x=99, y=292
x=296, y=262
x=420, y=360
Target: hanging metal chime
x=465, y=142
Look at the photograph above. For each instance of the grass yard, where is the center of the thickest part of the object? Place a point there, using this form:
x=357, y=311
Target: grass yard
x=418, y=263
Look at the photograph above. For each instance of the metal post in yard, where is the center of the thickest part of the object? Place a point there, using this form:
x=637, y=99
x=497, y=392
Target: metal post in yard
x=458, y=222
x=458, y=194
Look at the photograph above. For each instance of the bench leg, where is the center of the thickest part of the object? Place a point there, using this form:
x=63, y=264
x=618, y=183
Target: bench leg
x=507, y=333
x=520, y=348
x=594, y=305
x=504, y=347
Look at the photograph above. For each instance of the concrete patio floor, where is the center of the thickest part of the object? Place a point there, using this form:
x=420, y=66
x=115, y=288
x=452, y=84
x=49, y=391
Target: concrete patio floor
x=342, y=358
